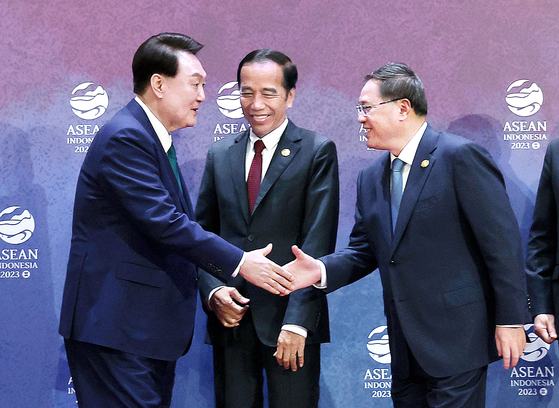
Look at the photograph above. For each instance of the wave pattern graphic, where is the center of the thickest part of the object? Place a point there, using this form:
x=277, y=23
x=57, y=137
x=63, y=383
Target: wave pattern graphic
x=18, y=229
x=536, y=349
x=526, y=101
x=230, y=105
x=90, y=105
x=378, y=346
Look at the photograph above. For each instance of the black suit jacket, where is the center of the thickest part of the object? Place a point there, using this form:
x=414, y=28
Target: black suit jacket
x=543, y=247
x=131, y=279
x=297, y=204
x=452, y=270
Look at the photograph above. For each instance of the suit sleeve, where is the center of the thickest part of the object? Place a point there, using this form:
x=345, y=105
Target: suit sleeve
x=481, y=193
x=319, y=232
x=129, y=170
x=356, y=260
x=207, y=214
x=541, y=256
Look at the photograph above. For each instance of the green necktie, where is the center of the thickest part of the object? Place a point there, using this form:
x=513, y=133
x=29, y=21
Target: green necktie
x=172, y=155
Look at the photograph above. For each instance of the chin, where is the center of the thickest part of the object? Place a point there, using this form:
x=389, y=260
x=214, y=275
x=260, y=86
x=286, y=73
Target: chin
x=259, y=131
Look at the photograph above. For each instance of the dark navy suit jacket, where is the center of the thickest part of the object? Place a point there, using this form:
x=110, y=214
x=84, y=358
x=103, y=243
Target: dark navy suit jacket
x=297, y=204
x=543, y=247
x=131, y=279
x=452, y=270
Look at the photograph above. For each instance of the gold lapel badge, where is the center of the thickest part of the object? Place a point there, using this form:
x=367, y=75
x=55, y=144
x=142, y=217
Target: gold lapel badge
x=425, y=163
x=285, y=152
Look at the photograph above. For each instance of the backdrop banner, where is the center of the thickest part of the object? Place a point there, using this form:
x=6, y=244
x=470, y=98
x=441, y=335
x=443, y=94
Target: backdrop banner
x=66, y=70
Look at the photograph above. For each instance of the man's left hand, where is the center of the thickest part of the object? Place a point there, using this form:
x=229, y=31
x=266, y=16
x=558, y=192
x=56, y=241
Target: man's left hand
x=290, y=347
x=511, y=342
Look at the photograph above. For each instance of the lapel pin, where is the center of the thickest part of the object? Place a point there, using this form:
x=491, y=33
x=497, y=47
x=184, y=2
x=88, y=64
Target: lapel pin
x=425, y=163
x=285, y=152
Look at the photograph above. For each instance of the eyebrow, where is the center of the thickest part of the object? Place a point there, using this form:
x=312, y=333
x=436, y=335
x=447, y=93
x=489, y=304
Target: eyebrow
x=248, y=88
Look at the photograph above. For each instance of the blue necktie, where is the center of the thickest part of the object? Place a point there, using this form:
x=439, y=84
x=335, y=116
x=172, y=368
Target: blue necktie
x=397, y=190
x=172, y=155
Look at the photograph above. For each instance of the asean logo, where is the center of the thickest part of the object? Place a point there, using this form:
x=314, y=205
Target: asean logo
x=524, y=98
x=378, y=346
x=537, y=348
x=230, y=103
x=16, y=227
x=89, y=101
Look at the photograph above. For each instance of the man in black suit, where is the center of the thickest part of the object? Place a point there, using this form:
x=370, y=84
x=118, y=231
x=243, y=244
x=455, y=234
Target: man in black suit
x=130, y=293
x=283, y=192
x=543, y=250
x=433, y=216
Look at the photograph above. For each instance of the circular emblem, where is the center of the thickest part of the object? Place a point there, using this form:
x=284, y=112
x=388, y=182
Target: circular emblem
x=378, y=346
x=524, y=98
x=89, y=101
x=16, y=227
x=230, y=102
x=285, y=152
x=537, y=348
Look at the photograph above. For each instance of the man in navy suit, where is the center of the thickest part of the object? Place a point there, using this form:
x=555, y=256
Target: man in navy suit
x=130, y=294
x=543, y=250
x=296, y=202
x=433, y=215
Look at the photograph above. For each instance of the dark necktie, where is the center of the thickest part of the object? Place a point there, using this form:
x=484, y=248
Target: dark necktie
x=255, y=174
x=172, y=155
x=397, y=190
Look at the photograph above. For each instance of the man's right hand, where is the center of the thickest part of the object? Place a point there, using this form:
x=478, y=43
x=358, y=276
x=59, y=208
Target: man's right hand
x=225, y=304
x=305, y=269
x=544, y=326
x=260, y=271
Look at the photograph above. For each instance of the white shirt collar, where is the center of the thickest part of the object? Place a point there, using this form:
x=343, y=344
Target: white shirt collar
x=160, y=130
x=408, y=152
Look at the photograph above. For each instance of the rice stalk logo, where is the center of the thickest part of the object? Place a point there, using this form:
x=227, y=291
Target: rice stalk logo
x=230, y=102
x=537, y=348
x=378, y=346
x=524, y=98
x=89, y=102
x=16, y=227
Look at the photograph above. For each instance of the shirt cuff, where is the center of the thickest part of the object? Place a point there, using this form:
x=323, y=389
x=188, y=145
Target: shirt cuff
x=293, y=328
x=207, y=300
x=238, y=268
x=510, y=325
x=322, y=284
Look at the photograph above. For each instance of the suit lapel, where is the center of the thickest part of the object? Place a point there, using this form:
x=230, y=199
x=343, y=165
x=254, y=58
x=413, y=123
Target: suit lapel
x=280, y=160
x=416, y=181
x=168, y=174
x=384, y=204
x=237, y=163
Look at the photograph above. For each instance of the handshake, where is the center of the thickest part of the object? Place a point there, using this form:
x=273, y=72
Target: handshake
x=260, y=271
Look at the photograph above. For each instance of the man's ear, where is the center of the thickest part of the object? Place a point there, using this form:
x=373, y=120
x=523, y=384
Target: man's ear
x=405, y=108
x=290, y=97
x=156, y=83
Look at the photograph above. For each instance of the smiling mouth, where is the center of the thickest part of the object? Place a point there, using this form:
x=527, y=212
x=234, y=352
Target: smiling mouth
x=260, y=118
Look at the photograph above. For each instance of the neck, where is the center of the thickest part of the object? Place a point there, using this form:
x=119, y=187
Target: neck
x=153, y=106
x=407, y=132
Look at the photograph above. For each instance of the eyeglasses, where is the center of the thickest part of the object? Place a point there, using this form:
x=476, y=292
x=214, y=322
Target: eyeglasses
x=366, y=109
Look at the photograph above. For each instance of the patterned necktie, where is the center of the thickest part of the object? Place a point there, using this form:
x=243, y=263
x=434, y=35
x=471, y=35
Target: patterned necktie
x=255, y=174
x=397, y=190
x=172, y=155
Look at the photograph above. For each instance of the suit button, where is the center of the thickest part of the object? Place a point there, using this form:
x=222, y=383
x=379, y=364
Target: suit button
x=251, y=237
x=392, y=262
